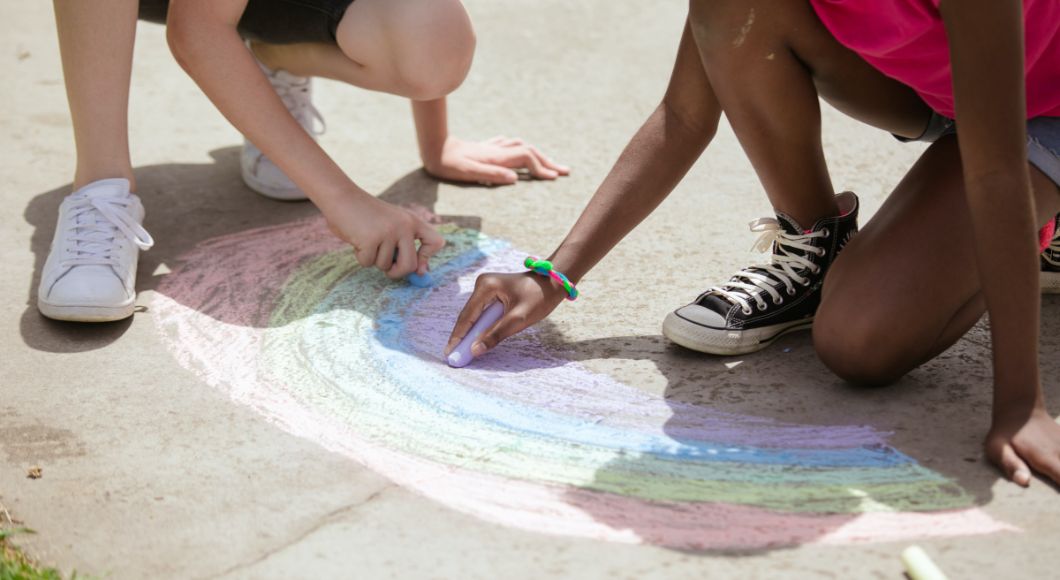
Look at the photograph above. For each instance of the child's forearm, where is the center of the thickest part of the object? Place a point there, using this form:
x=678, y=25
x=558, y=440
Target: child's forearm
x=987, y=55
x=1006, y=248
x=653, y=163
x=202, y=34
x=432, y=129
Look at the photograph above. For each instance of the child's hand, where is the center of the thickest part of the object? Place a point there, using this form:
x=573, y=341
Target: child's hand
x=377, y=229
x=527, y=298
x=1019, y=442
x=491, y=162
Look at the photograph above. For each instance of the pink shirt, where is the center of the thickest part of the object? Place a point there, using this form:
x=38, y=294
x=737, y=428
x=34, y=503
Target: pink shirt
x=905, y=40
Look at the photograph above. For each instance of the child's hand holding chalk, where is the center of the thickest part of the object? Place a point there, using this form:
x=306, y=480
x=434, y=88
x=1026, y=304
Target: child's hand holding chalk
x=418, y=280
x=461, y=356
x=502, y=305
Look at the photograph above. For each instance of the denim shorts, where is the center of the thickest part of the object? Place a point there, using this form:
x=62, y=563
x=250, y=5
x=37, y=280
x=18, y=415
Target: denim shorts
x=1043, y=141
x=275, y=21
x=1043, y=146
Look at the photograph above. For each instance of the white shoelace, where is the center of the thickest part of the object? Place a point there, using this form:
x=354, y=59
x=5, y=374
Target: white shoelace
x=1052, y=253
x=297, y=97
x=95, y=224
x=751, y=283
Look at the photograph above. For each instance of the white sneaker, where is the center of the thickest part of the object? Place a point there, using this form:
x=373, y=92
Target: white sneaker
x=261, y=174
x=90, y=272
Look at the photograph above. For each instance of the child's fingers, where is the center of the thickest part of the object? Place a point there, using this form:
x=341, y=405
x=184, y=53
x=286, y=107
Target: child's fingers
x=384, y=258
x=523, y=157
x=430, y=243
x=1043, y=458
x=548, y=162
x=509, y=324
x=1049, y=466
x=366, y=254
x=480, y=298
x=496, y=140
x=490, y=174
x=407, y=259
x=1010, y=463
x=514, y=142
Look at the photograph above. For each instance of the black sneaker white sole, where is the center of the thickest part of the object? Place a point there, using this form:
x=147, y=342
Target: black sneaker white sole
x=726, y=342
x=761, y=303
x=1050, y=282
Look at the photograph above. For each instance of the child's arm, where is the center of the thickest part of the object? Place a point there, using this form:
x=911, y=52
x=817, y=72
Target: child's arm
x=987, y=52
x=203, y=36
x=652, y=164
x=491, y=162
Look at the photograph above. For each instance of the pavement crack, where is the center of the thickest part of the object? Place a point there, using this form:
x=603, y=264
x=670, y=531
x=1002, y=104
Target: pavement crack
x=325, y=520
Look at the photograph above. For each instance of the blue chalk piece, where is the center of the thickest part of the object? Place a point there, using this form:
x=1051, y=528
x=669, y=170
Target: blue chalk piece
x=424, y=281
x=461, y=355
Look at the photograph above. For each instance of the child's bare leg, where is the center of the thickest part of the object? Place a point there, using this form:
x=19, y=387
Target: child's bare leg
x=767, y=61
x=907, y=287
x=90, y=271
x=420, y=49
x=96, y=41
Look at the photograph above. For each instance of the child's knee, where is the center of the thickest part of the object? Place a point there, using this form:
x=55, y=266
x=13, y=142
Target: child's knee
x=855, y=348
x=430, y=46
x=439, y=50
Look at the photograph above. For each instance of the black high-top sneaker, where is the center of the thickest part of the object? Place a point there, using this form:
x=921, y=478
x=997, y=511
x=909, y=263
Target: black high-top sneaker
x=762, y=303
x=1050, y=274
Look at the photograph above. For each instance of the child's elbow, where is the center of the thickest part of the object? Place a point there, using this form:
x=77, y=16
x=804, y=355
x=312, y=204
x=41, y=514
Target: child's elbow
x=697, y=122
x=184, y=36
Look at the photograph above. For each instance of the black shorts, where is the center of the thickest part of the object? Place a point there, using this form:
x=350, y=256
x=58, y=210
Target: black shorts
x=275, y=21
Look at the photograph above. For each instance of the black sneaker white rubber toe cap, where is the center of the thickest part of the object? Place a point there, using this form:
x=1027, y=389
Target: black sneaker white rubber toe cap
x=704, y=330
x=701, y=316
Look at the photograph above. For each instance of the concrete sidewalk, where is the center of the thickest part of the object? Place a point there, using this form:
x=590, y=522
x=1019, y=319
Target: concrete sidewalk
x=152, y=470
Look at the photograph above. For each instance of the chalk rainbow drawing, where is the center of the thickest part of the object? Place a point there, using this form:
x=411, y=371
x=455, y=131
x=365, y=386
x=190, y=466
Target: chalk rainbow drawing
x=284, y=321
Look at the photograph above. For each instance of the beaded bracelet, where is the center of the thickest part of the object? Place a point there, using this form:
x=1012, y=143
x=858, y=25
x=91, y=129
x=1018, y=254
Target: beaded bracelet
x=544, y=267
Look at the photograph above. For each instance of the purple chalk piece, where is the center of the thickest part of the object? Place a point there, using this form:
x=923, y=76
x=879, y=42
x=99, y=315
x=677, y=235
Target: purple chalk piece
x=461, y=355
x=424, y=281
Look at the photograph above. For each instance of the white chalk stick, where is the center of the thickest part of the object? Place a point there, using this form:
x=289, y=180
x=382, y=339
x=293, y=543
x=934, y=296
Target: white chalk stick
x=919, y=565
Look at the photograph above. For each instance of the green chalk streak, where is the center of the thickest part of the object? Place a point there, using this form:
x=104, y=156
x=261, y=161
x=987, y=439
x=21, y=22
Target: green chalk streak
x=840, y=495
x=310, y=284
x=301, y=293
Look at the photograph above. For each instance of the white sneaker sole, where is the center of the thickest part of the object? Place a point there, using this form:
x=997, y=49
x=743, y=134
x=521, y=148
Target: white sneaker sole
x=272, y=192
x=727, y=342
x=86, y=313
x=1050, y=282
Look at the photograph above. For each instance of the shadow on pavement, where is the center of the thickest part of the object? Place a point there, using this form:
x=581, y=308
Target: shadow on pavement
x=788, y=383
x=185, y=204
